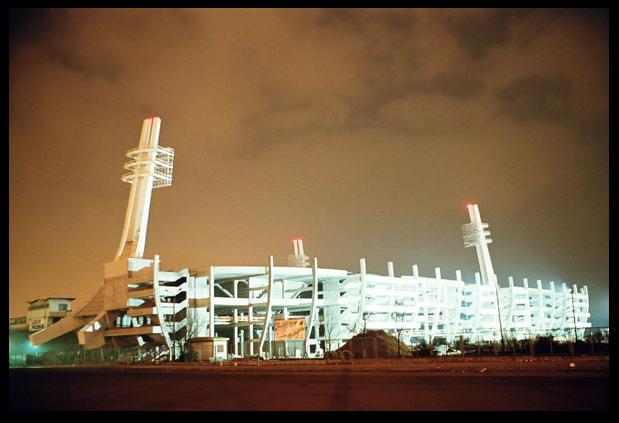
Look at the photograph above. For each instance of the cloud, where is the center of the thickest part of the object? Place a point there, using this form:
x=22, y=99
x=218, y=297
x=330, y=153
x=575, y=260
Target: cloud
x=456, y=86
x=107, y=70
x=361, y=129
x=536, y=98
x=366, y=21
x=478, y=34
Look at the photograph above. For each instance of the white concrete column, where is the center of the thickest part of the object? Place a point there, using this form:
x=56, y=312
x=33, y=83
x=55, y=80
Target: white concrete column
x=541, y=300
x=284, y=297
x=527, y=307
x=575, y=302
x=415, y=270
x=312, y=317
x=362, y=290
x=250, y=317
x=508, y=324
x=554, y=304
x=438, y=307
x=458, y=323
x=235, y=318
x=242, y=336
x=426, y=302
x=566, y=306
x=211, y=306
x=267, y=318
x=392, y=276
x=498, y=304
x=270, y=340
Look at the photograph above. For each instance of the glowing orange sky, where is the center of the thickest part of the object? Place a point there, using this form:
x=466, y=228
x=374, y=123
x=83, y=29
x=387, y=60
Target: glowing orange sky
x=365, y=132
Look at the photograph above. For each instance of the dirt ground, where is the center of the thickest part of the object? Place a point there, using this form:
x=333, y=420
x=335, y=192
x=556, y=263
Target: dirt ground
x=358, y=385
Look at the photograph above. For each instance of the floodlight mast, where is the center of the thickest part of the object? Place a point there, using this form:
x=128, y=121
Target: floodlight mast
x=150, y=167
x=474, y=234
x=298, y=259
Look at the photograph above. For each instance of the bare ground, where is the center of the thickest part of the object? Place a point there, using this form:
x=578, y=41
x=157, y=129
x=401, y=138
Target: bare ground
x=432, y=384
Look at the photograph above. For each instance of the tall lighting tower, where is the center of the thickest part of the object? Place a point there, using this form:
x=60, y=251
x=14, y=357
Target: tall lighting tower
x=150, y=167
x=474, y=234
x=298, y=259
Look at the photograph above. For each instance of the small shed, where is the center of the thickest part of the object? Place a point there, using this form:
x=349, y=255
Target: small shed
x=209, y=348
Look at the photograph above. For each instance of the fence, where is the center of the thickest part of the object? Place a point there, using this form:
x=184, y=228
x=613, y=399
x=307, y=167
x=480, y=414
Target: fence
x=123, y=355
x=594, y=341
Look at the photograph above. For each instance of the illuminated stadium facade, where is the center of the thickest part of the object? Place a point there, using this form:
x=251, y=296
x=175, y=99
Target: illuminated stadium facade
x=300, y=309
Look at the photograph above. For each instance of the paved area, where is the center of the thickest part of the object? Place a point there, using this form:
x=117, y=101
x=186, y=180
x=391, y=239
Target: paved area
x=357, y=386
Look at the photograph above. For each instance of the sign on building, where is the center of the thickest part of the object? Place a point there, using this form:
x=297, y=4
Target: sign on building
x=291, y=329
x=37, y=324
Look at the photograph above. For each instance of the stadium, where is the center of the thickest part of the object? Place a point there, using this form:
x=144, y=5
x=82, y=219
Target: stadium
x=298, y=310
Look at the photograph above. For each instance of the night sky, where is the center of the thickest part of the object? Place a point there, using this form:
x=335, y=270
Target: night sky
x=365, y=132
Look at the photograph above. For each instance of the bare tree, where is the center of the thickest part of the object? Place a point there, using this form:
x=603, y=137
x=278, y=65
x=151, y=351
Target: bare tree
x=194, y=326
x=330, y=330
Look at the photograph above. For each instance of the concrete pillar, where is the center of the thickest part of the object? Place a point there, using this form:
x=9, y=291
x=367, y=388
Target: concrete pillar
x=437, y=272
x=250, y=317
x=235, y=320
x=211, y=307
x=525, y=284
x=458, y=275
x=313, y=312
x=362, y=292
x=554, y=304
x=575, y=306
x=270, y=340
x=284, y=297
x=267, y=318
x=540, y=298
x=390, y=271
x=415, y=270
x=242, y=342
